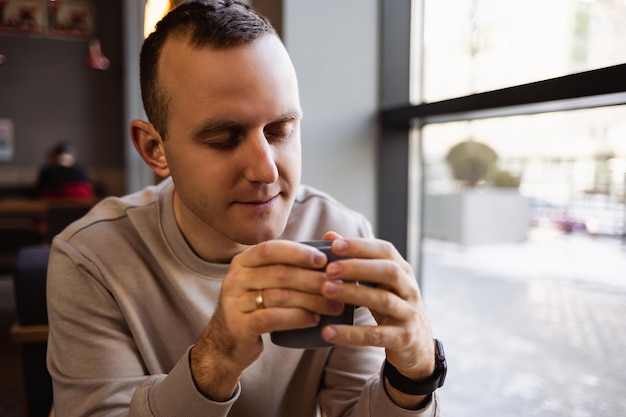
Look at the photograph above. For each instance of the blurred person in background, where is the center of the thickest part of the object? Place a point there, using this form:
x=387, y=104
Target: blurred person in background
x=61, y=177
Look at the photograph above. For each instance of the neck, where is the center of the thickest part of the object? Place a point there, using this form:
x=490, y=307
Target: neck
x=205, y=241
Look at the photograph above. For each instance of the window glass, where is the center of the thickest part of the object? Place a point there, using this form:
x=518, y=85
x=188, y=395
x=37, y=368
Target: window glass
x=522, y=218
x=524, y=284
x=474, y=46
x=571, y=160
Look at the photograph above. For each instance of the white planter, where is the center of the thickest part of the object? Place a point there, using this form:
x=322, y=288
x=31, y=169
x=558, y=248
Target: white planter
x=477, y=217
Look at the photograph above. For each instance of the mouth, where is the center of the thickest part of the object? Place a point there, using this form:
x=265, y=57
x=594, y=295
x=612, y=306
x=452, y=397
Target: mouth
x=260, y=202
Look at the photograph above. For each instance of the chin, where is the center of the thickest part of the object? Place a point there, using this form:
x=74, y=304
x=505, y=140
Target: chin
x=248, y=237
x=252, y=231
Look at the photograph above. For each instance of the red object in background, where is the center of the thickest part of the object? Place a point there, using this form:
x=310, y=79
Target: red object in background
x=96, y=58
x=78, y=190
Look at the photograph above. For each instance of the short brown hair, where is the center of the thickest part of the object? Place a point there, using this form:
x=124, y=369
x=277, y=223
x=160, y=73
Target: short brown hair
x=216, y=23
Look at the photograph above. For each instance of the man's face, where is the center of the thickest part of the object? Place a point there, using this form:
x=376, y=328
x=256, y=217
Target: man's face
x=233, y=139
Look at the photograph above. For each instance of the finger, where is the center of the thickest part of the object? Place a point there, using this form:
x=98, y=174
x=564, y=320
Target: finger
x=390, y=337
x=367, y=249
x=281, y=276
x=290, y=299
x=380, y=301
x=281, y=252
x=379, y=250
x=330, y=235
x=386, y=274
x=241, y=286
x=276, y=319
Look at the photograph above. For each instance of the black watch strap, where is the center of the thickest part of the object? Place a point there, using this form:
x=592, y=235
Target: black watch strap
x=423, y=386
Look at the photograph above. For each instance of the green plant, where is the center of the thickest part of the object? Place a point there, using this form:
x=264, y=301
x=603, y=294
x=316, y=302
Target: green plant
x=504, y=179
x=475, y=163
x=472, y=163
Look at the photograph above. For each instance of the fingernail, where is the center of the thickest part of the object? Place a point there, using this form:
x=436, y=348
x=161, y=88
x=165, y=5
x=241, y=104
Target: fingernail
x=331, y=287
x=330, y=333
x=333, y=269
x=319, y=258
x=340, y=245
x=315, y=318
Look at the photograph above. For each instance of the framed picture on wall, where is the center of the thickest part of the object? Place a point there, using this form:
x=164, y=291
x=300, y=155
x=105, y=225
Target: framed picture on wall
x=23, y=16
x=71, y=18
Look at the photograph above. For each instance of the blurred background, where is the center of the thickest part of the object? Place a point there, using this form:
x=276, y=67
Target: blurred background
x=485, y=138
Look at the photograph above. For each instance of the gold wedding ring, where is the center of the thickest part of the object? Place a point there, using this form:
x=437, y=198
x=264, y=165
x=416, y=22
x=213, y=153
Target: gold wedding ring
x=258, y=299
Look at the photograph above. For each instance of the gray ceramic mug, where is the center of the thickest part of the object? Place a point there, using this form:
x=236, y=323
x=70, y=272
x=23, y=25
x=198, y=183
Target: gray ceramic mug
x=311, y=337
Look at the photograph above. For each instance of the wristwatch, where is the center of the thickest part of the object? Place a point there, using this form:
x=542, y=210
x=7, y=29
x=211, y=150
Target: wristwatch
x=423, y=386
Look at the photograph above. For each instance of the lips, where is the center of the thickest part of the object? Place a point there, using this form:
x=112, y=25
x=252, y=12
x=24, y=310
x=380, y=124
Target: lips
x=260, y=201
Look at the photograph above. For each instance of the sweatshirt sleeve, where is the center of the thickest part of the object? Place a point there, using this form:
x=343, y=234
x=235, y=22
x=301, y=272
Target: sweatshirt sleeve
x=95, y=365
x=176, y=394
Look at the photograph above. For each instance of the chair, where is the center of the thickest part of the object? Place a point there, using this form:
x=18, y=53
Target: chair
x=59, y=216
x=15, y=233
x=31, y=330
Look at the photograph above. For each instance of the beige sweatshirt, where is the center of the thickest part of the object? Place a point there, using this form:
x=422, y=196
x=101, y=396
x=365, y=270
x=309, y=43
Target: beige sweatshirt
x=127, y=298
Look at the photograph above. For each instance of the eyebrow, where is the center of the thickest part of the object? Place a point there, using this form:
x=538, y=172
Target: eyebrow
x=211, y=126
x=294, y=115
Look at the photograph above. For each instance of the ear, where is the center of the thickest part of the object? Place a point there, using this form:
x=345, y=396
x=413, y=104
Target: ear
x=149, y=145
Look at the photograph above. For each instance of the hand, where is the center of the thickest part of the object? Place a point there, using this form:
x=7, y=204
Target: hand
x=394, y=300
x=275, y=285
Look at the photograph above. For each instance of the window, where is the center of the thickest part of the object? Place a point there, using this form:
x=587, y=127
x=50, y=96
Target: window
x=543, y=86
x=472, y=46
x=154, y=11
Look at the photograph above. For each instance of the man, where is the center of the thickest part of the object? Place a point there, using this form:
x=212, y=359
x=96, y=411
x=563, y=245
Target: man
x=161, y=302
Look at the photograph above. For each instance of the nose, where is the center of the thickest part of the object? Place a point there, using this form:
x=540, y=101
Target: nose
x=260, y=165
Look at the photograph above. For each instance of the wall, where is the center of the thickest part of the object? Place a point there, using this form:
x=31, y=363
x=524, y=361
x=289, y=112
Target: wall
x=50, y=95
x=334, y=47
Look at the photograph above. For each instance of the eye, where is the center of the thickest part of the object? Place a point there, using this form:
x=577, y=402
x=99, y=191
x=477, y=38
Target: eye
x=224, y=140
x=227, y=143
x=278, y=131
